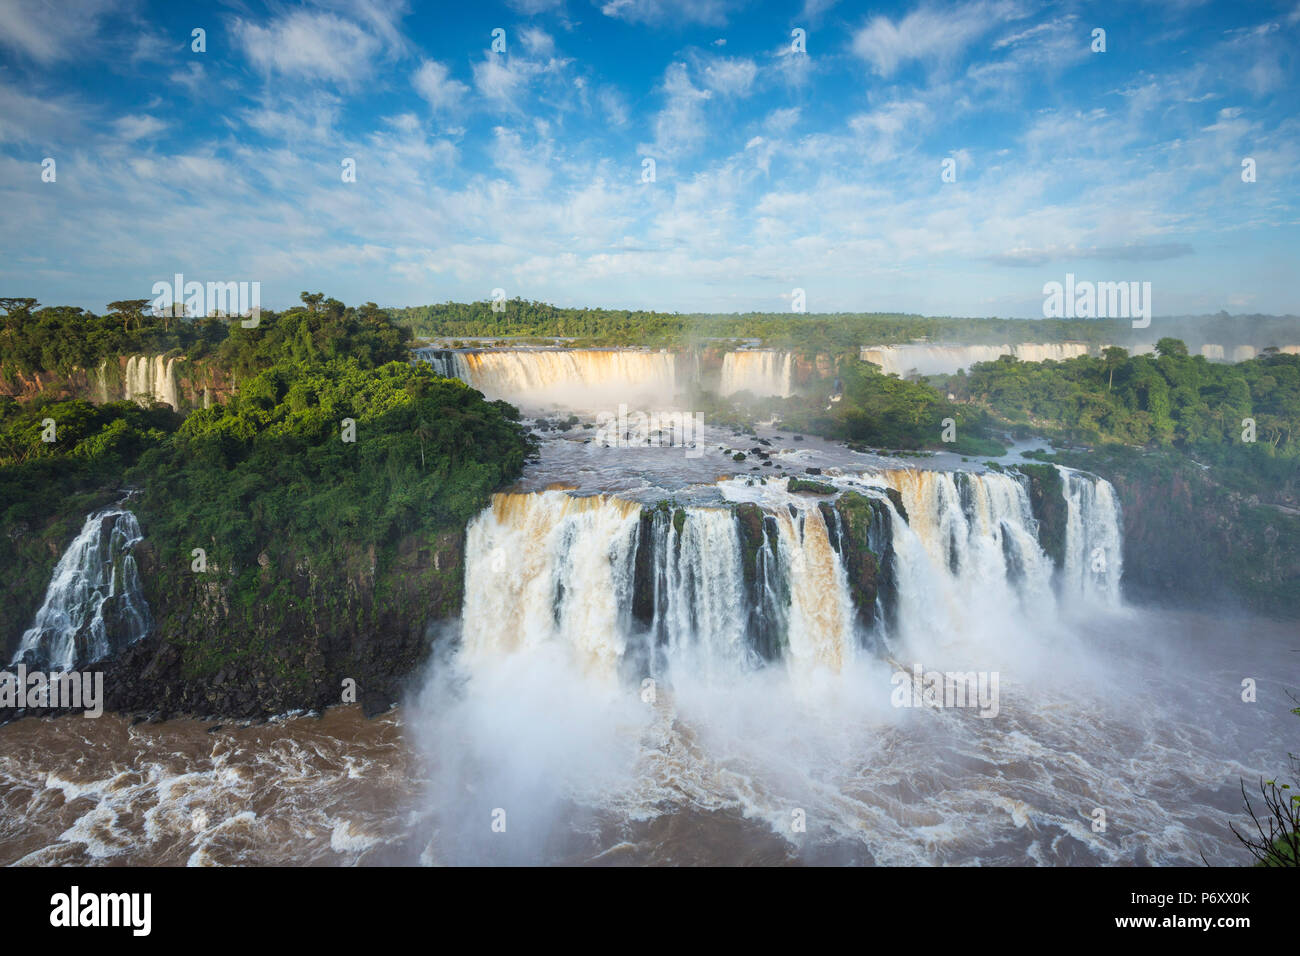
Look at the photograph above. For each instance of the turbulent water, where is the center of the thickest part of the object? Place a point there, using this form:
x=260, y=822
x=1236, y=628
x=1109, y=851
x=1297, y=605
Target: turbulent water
x=680, y=668
x=94, y=604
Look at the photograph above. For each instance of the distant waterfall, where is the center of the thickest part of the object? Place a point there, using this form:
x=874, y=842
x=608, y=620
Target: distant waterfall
x=574, y=377
x=715, y=591
x=945, y=359
x=759, y=372
x=94, y=604
x=146, y=379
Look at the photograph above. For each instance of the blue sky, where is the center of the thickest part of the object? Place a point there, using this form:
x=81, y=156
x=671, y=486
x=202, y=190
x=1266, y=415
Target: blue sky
x=774, y=170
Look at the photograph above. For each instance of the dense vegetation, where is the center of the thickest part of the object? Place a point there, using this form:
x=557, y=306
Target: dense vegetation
x=831, y=333
x=874, y=410
x=1244, y=419
x=838, y=333
x=282, y=463
x=268, y=470
x=62, y=338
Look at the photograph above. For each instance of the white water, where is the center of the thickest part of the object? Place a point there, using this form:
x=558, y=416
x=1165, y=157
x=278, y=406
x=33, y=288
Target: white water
x=574, y=378
x=759, y=372
x=93, y=604
x=550, y=569
x=945, y=359
x=713, y=760
x=1094, y=554
x=146, y=379
x=969, y=565
x=699, y=594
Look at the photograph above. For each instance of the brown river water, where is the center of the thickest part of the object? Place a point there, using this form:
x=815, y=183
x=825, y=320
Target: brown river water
x=1148, y=724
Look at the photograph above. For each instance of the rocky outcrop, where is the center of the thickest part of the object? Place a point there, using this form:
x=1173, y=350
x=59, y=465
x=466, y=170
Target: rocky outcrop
x=175, y=381
x=857, y=515
x=1188, y=541
x=1047, y=499
x=287, y=634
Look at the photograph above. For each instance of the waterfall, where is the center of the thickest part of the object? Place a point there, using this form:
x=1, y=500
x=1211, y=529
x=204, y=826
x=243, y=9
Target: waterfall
x=700, y=600
x=1093, y=546
x=549, y=567
x=146, y=379
x=820, y=631
x=573, y=377
x=945, y=359
x=94, y=604
x=759, y=372
x=632, y=590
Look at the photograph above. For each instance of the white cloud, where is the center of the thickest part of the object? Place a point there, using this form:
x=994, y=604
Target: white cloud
x=310, y=45
x=613, y=106
x=192, y=77
x=48, y=32
x=537, y=41
x=931, y=35
x=138, y=127
x=670, y=12
x=729, y=77
x=680, y=124
x=434, y=83
x=500, y=79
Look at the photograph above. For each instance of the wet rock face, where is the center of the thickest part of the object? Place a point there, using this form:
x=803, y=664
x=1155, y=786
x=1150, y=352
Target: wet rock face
x=286, y=636
x=1047, y=500
x=856, y=514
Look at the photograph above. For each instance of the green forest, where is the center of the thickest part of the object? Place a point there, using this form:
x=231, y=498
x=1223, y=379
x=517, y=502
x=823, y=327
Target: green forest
x=830, y=333
x=333, y=441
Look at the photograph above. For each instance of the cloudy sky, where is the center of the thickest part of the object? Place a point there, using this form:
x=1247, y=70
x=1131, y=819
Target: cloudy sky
x=773, y=169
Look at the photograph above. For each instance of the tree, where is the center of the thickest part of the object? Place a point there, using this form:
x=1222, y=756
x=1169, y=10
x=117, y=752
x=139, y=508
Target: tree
x=1113, y=357
x=1171, y=347
x=312, y=299
x=130, y=309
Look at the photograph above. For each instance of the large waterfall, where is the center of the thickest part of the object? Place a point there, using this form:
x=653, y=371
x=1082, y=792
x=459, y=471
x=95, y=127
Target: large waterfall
x=94, y=605
x=757, y=371
x=765, y=576
x=576, y=377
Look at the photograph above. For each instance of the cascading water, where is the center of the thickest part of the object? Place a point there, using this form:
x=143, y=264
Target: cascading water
x=821, y=630
x=1094, y=554
x=94, y=605
x=700, y=588
x=759, y=372
x=945, y=359
x=145, y=379
x=576, y=377
x=546, y=568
